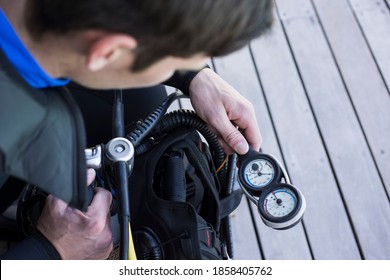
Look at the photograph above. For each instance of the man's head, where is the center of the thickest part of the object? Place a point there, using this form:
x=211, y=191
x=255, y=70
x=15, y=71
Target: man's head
x=152, y=30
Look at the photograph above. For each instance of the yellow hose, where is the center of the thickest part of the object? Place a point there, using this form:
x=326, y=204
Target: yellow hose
x=132, y=255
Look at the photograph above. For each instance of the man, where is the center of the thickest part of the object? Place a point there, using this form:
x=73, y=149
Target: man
x=107, y=44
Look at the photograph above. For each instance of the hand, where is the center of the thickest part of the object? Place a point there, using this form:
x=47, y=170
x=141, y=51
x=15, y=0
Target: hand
x=227, y=113
x=75, y=234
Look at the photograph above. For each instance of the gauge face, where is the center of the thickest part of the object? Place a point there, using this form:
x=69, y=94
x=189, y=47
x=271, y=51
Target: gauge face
x=259, y=173
x=280, y=203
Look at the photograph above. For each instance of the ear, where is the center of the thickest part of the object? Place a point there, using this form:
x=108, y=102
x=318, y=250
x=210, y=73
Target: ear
x=107, y=49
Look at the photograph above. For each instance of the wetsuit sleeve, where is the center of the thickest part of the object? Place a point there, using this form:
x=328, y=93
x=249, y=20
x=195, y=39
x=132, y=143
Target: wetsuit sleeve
x=34, y=247
x=182, y=80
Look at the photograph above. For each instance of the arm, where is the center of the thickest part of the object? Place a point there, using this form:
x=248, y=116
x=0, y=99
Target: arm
x=221, y=107
x=34, y=247
x=76, y=234
x=182, y=80
x=67, y=233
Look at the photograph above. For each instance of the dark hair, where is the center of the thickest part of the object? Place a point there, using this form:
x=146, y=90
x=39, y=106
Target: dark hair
x=162, y=28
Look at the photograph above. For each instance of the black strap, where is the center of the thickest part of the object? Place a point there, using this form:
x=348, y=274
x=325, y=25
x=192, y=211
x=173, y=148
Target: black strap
x=230, y=203
x=10, y=191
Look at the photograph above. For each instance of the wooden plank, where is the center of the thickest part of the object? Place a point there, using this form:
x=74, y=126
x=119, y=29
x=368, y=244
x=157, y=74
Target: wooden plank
x=361, y=76
x=326, y=221
x=238, y=70
x=374, y=19
x=245, y=245
x=275, y=247
x=351, y=159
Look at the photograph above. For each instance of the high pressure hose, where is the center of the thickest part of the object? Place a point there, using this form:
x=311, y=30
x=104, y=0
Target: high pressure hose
x=144, y=127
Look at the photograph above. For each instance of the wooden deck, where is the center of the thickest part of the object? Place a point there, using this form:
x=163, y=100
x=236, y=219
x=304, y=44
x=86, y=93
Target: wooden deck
x=320, y=81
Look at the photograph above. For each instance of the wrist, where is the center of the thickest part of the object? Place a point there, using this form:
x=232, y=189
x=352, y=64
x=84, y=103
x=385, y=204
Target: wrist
x=203, y=80
x=50, y=248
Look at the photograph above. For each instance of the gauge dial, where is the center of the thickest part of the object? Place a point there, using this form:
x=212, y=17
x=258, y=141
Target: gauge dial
x=280, y=203
x=259, y=173
x=281, y=206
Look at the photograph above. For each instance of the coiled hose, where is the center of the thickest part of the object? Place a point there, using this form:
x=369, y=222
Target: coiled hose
x=189, y=118
x=159, y=123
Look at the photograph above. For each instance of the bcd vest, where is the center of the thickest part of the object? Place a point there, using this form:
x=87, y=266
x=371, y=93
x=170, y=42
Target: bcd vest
x=42, y=137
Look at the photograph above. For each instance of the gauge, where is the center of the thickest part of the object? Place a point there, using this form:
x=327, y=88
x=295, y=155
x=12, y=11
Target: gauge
x=280, y=203
x=281, y=206
x=257, y=171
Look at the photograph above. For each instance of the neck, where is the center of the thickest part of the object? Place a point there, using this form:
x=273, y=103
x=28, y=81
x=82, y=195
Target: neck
x=50, y=50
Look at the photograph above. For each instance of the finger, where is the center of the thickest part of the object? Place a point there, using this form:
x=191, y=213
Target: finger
x=100, y=204
x=56, y=205
x=231, y=135
x=246, y=121
x=91, y=175
x=253, y=136
x=226, y=148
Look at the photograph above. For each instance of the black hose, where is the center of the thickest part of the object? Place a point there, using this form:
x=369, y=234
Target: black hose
x=118, y=129
x=120, y=169
x=161, y=123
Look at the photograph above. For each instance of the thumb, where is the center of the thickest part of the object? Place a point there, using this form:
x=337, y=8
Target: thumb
x=236, y=140
x=91, y=174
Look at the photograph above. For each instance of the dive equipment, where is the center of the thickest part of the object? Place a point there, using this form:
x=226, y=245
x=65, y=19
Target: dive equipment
x=280, y=204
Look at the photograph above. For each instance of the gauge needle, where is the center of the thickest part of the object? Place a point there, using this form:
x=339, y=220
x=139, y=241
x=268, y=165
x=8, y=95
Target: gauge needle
x=278, y=200
x=261, y=173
